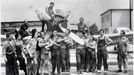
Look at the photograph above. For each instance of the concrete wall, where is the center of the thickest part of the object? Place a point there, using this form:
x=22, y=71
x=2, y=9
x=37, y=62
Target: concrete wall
x=120, y=18
x=115, y=18
x=106, y=21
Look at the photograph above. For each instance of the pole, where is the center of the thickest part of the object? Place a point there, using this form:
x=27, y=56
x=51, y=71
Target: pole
x=130, y=11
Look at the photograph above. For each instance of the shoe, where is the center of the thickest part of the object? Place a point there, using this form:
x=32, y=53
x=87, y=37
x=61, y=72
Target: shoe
x=52, y=73
x=81, y=71
x=125, y=71
x=99, y=71
x=89, y=70
x=105, y=71
x=119, y=70
x=84, y=70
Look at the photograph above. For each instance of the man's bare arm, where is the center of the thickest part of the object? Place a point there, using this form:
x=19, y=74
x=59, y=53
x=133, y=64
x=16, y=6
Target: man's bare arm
x=73, y=24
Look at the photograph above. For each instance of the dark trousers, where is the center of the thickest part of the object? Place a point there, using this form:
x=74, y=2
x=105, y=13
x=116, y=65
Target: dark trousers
x=102, y=58
x=85, y=61
x=22, y=64
x=48, y=24
x=122, y=60
x=68, y=61
x=56, y=61
x=91, y=59
x=65, y=60
x=80, y=58
x=11, y=65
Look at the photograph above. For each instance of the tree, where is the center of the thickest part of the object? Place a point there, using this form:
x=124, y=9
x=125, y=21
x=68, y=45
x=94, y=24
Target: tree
x=93, y=29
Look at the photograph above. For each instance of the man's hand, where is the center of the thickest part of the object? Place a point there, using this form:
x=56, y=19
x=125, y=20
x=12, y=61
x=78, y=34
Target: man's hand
x=5, y=58
x=126, y=53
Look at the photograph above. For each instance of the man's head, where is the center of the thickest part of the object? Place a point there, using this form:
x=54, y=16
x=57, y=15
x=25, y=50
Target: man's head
x=25, y=21
x=52, y=15
x=42, y=34
x=8, y=35
x=34, y=33
x=101, y=32
x=51, y=4
x=122, y=33
x=81, y=20
x=80, y=34
x=17, y=36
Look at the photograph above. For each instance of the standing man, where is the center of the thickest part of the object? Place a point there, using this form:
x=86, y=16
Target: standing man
x=81, y=25
x=50, y=12
x=9, y=56
x=65, y=54
x=80, y=55
x=55, y=54
x=19, y=49
x=45, y=65
x=31, y=49
x=91, y=53
x=122, y=51
x=102, y=54
x=69, y=43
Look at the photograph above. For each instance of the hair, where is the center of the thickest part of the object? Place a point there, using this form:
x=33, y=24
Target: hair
x=8, y=34
x=33, y=32
x=51, y=2
x=123, y=32
x=101, y=30
x=16, y=35
x=82, y=18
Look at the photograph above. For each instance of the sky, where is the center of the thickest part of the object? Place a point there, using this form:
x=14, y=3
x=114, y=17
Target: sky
x=19, y=10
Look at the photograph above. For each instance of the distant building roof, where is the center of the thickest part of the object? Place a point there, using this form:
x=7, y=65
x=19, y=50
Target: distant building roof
x=113, y=10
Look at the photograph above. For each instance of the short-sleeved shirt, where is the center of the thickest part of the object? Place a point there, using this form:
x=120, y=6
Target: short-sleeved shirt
x=8, y=47
x=122, y=44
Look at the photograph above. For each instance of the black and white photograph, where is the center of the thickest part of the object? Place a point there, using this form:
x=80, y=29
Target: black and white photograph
x=66, y=37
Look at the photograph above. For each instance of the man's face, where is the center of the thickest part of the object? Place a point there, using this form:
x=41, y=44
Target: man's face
x=51, y=5
x=52, y=16
x=122, y=33
x=10, y=37
x=42, y=34
x=19, y=37
x=25, y=21
x=80, y=34
x=81, y=20
x=101, y=33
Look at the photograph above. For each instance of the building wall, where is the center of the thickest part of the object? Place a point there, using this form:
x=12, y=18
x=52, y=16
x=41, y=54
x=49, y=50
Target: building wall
x=115, y=18
x=120, y=18
x=106, y=21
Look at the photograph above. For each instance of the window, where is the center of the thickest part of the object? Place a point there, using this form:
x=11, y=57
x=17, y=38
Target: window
x=102, y=20
x=127, y=30
x=106, y=30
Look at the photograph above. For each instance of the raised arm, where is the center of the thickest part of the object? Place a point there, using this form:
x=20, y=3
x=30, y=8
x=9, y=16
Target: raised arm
x=73, y=24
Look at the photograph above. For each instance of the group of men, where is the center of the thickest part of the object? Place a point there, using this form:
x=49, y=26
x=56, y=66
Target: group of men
x=49, y=49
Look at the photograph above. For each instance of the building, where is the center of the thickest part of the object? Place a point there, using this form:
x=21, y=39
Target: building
x=11, y=26
x=113, y=18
